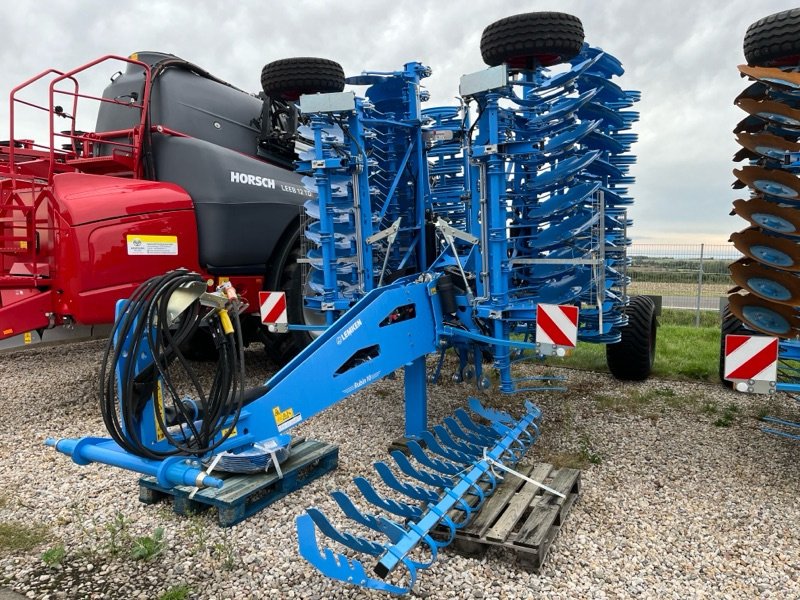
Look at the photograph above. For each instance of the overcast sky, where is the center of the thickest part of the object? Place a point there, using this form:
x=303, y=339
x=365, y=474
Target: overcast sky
x=681, y=54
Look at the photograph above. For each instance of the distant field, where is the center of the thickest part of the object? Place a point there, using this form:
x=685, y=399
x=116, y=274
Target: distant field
x=659, y=288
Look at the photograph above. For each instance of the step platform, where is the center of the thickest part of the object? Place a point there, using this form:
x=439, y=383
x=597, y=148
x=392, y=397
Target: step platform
x=244, y=495
x=522, y=517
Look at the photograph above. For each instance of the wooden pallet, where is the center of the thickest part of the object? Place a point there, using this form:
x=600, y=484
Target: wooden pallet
x=522, y=517
x=244, y=495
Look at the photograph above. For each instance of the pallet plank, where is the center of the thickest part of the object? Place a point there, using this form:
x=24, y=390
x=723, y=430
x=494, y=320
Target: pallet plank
x=544, y=514
x=517, y=505
x=536, y=528
x=496, y=504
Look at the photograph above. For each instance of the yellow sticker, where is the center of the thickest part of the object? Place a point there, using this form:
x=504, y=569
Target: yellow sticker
x=134, y=56
x=27, y=338
x=281, y=416
x=223, y=280
x=159, y=407
x=152, y=245
x=23, y=245
x=233, y=432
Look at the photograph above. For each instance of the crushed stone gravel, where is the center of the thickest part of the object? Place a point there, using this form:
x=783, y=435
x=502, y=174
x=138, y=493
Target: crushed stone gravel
x=673, y=504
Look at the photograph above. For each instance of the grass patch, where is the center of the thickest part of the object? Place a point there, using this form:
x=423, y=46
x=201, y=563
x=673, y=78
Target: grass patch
x=53, y=557
x=148, y=547
x=728, y=416
x=20, y=536
x=677, y=316
x=176, y=592
x=567, y=460
x=3, y=500
x=682, y=352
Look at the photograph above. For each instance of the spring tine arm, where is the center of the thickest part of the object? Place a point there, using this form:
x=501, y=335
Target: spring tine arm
x=395, y=533
x=338, y=566
x=401, y=509
x=449, y=453
x=468, y=423
x=447, y=439
x=469, y=437
x=414, y=492
x=354, y=542
x=422, y=457
x=426, y=477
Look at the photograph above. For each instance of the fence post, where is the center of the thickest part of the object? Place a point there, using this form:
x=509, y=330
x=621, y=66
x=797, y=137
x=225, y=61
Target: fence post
x=699, y=287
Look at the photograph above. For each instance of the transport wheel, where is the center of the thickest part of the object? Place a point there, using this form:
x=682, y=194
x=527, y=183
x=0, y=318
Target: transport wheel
x=522, y=41
x=282, y=347
x=631, y=359
x=774, y=40
x=730, y=325
x=289, y=78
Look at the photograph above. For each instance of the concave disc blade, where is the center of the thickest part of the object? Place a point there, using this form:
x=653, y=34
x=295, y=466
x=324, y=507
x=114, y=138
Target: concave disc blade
x=772, y=182
x=772, y=251
x=764, y=316
x=771, y=111
x=766, y=144
x=770, y=284
x=769, y=215
x=772, y=77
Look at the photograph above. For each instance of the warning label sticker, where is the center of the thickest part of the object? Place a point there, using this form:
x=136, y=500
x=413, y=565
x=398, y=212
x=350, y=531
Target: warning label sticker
x=152, y=245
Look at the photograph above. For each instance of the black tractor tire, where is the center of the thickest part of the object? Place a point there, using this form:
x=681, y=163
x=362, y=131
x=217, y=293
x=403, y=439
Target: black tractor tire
x=631, y=359
x=523, y=41
x=289, y=78
x=774, y=40
x=283, y=347
x=729, y=325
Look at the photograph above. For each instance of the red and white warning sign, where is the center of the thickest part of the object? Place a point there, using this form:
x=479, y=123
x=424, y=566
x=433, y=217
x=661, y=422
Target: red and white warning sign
x=751, y=358
x=273, y=310
x=557, y=325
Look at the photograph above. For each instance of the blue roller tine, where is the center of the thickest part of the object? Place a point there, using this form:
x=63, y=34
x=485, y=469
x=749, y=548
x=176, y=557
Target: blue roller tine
x=436, y=447
x=353, y=542
x=349, y=508
x=338, y=566
x=470, y=437
x=426, y=477
x=414, y=492
x=467, y=422
x=447, y=439
x=424, y=459
x=490, y=414
x=401, y=509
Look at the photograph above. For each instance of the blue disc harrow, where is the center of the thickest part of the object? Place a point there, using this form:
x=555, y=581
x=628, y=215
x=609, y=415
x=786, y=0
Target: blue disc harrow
x=767, y=277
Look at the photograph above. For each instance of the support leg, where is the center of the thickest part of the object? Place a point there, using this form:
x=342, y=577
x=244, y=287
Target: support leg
x=416, y=398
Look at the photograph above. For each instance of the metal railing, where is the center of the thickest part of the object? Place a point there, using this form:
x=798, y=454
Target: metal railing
x=686, y=276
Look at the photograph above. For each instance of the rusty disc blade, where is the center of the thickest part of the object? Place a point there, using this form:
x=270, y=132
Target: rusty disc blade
x=780, y=253
x=772, y=77
x=769, y=215
x=770, y=284
x=772, y=182
x=771, y=111
x=764, y=316
x=767, y=144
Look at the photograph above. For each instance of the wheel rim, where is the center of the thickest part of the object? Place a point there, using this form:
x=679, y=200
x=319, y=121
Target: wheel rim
x=766, y=319
x=771, y=256
x=773, y=222
x=773, y=188
x=783, y=119
x=769, y=289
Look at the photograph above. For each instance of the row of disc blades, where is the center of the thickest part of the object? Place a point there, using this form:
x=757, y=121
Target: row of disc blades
x=768, y=274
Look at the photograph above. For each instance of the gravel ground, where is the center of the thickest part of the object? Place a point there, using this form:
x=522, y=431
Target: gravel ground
x=673, y=506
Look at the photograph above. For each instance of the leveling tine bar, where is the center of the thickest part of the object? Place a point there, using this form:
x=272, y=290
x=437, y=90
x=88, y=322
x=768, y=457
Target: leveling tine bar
x=504, y=434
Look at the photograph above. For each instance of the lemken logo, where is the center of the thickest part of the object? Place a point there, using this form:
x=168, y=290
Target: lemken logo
x=347, y=332
x=248, y=179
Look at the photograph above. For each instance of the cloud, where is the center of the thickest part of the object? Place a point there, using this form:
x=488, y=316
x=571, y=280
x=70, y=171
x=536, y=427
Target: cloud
x=682, y=55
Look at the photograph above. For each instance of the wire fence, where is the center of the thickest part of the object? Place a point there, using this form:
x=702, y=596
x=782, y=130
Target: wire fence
x=686, y=276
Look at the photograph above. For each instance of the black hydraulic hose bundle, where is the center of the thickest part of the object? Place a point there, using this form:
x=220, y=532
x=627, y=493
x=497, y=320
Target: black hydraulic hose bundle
x=144, y=323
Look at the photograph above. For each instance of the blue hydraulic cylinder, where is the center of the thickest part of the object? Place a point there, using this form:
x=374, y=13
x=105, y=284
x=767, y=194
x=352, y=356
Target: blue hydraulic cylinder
x=169, y=472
